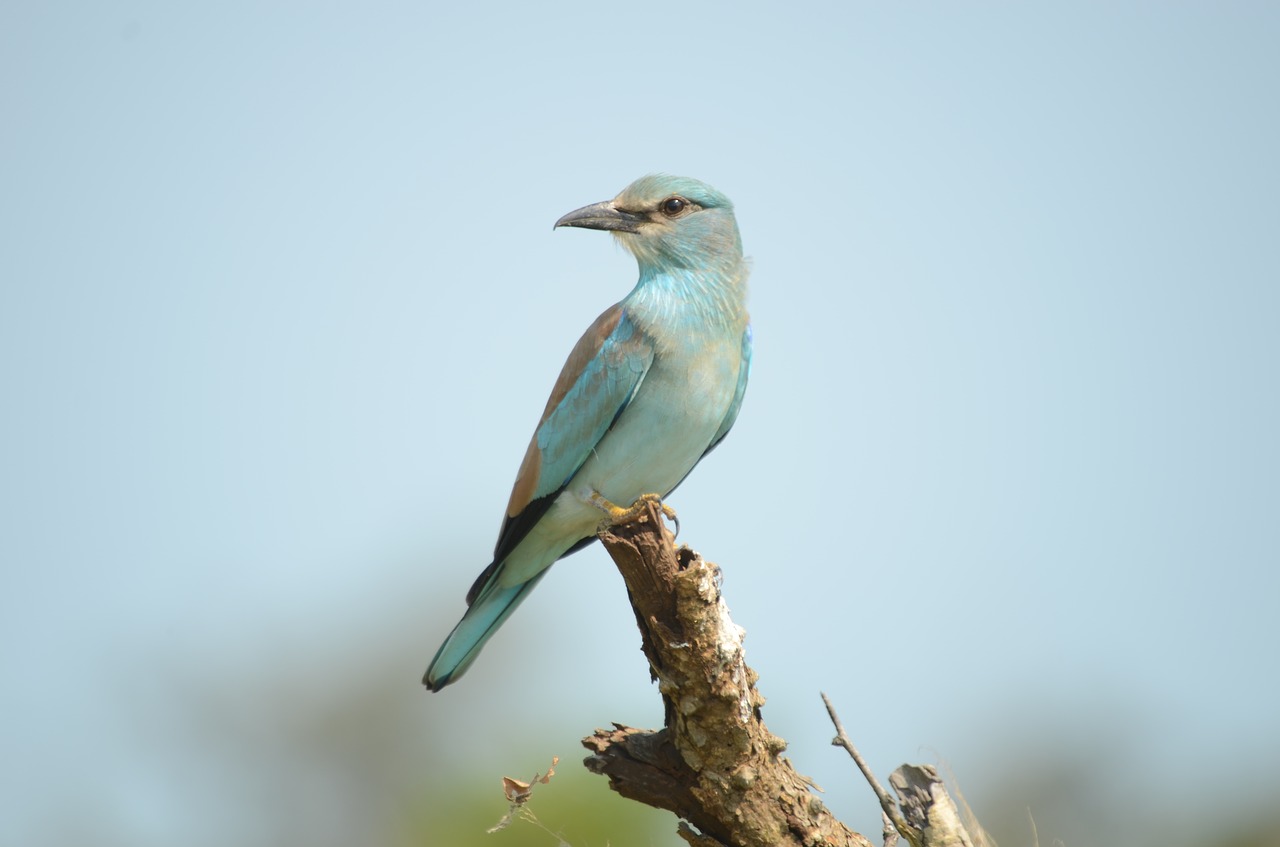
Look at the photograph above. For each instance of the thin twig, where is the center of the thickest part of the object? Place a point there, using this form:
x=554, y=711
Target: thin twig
x=889, y=833
x=886, y=802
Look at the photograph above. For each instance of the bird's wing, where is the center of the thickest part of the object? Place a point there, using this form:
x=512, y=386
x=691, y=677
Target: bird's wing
x=596, y=384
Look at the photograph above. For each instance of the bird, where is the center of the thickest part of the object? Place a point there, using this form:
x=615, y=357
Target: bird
x=653, y=386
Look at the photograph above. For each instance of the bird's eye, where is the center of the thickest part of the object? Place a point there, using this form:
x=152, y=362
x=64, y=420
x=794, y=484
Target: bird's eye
x=673, y=206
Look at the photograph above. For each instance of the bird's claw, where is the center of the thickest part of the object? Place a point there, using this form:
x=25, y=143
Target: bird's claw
x=615, y=514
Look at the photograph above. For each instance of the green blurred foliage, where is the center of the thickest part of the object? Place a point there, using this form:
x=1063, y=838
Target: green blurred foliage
x=339, y=746
x=575, y=807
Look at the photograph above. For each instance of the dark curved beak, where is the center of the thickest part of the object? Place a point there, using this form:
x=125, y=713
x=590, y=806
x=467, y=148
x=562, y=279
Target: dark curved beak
x=603, y=216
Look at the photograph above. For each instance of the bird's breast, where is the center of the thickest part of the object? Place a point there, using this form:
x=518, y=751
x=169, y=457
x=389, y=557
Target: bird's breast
x=669, y=423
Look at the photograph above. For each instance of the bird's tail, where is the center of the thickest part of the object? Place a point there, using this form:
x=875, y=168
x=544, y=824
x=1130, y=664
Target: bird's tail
x=482, y=619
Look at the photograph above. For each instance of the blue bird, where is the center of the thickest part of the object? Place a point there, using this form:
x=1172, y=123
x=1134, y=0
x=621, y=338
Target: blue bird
x=653, y=385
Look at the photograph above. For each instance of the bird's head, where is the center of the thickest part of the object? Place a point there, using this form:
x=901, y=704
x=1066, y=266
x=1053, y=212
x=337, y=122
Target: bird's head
x=667, y=222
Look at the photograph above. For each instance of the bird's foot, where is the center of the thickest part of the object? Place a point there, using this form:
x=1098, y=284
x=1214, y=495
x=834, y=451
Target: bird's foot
x=615, y=514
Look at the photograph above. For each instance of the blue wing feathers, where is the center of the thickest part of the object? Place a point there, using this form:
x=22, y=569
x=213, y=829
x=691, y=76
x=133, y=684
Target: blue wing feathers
x=565, y=438
x=568, y=434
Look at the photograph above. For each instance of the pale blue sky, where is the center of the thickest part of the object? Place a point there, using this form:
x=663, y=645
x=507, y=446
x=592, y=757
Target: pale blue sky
x=280, y=303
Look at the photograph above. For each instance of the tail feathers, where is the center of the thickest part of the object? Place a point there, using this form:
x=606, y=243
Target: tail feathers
x=477, y=626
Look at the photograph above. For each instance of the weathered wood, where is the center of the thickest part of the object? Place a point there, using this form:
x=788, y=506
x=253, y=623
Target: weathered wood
x=715, y=764
x=930, y=811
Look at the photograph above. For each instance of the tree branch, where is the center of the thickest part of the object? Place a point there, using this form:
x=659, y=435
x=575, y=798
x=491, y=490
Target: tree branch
x=887, y=806
x=714, y=763
x=925, y=814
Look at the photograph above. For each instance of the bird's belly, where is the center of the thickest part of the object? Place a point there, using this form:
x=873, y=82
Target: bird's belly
x=664, y=431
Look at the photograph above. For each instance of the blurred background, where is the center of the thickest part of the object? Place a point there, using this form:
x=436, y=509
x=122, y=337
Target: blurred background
x=280, y=304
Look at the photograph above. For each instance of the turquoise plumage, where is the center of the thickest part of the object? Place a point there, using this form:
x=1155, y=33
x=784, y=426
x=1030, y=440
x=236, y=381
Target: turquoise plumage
x=653, y=385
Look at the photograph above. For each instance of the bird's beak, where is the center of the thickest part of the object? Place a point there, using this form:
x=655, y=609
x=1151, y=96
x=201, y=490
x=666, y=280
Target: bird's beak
x=603, y=216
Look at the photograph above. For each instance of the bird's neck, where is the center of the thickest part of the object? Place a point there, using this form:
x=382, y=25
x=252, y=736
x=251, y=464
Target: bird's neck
x=686, y=300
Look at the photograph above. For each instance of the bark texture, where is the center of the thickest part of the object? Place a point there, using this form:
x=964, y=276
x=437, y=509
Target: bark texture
x=715, y=764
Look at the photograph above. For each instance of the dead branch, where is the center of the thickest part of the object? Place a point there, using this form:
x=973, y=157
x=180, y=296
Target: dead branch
x=887, y=806
x=714, y=764
x=925, y=814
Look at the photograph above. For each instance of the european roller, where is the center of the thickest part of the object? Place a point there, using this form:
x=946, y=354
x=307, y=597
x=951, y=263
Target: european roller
x=653, y=385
